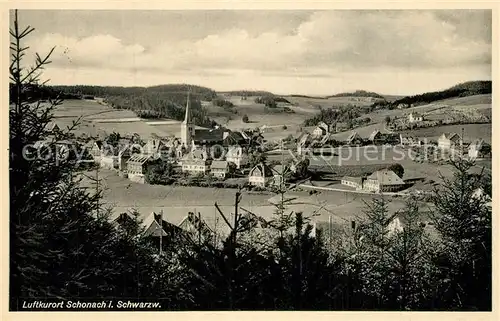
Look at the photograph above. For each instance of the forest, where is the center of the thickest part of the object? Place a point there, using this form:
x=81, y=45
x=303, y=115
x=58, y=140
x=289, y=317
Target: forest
x=465, y=89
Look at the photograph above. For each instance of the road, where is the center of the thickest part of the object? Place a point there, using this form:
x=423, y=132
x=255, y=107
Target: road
x=351, y=191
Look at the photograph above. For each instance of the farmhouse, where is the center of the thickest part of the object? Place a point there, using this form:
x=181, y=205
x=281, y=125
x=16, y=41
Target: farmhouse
x=321, y=129
x=355, y=182
x=354, y=139
x=448, y=141
x=383, y=181
x=479, y=149
x=197, y=162
x=260, y=175
x=219, y=169
x=137, y=166
x=237, y=155
x=414, y=117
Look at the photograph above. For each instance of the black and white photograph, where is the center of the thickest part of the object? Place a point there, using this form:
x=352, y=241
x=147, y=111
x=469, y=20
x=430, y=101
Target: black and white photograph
x=250, y=160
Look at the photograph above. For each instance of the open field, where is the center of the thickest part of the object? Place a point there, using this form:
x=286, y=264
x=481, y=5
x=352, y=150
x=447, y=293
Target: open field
x=97, y=119
x=471, y=131
x=176, y=201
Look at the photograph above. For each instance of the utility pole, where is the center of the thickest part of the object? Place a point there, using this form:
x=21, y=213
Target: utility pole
x=161, y=232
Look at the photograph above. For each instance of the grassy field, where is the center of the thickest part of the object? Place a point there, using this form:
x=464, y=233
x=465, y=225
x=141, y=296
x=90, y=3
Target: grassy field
x=97, y=119
x=122, y=195
x=471, y=131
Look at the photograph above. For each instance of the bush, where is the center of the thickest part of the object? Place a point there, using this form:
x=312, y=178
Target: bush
x=245, y=119
x=284, y=127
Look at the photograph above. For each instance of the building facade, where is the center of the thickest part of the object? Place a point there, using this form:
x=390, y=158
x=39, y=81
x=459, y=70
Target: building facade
x=383, y=181
x=260, y=175
x=237, y=155
x=219, y=169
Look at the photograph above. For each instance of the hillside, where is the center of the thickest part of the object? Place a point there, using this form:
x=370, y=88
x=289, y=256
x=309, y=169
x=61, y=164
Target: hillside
x=163, y=101
x=465, y=89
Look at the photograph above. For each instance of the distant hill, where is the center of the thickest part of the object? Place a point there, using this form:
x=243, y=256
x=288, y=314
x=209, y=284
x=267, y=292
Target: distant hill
x=465, y=89
x=247, y=93
x=358, y=93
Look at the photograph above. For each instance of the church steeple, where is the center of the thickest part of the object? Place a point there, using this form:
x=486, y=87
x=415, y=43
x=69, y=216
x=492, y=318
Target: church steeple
x=187, y=128
x=187, y=117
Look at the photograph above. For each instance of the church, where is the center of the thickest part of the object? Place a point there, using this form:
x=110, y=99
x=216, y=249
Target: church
x=192, y=138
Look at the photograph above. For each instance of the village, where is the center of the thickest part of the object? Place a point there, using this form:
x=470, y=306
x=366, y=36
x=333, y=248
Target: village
x=312, y=162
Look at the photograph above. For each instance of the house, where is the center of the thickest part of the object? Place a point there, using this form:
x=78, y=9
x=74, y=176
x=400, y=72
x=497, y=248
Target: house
x=53, y=127
x=260, y=175
x=156, y=148
x=375, y=137
x=231, y=138
x=155, y=226
x=196, y=162
x=354, y=182
x=137, y=167
x=449, y=141
x=208, y=137
x=384, y=181
x=479, y=149
x=410, y=141
x=219, y=169
x=414, y=117
x=237, y=155
x=354, y=139
x=321, y=129
x=123, y=156
x=196, y=228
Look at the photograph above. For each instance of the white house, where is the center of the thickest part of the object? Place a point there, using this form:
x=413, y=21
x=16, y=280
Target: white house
x=321, y=129
x=260, y=175
x=237, y=155
x=414, y=117
x=479, y=149
x=196, y=162
x=219, y=168
x=448, y=141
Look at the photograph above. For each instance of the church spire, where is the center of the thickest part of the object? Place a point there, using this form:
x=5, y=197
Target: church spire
x=187, y=117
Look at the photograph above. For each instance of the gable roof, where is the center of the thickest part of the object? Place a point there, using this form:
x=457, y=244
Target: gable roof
x=138, y=158
x=353, y=136
x=374, y=134
x=218, y=164
x=234, y=151
x=208, y=135
x=263, y=168
x=450, y=136
x=386, y=177
x=234, y=138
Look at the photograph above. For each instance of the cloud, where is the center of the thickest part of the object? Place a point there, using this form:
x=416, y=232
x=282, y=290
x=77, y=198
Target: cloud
x=326, y=43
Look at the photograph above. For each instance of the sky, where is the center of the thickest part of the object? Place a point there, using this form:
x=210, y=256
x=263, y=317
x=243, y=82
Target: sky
x=398, y=52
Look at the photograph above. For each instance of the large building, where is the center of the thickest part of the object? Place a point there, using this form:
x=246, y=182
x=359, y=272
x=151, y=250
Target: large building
x=137, y=167
x=384, y=181
x=197, y=162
